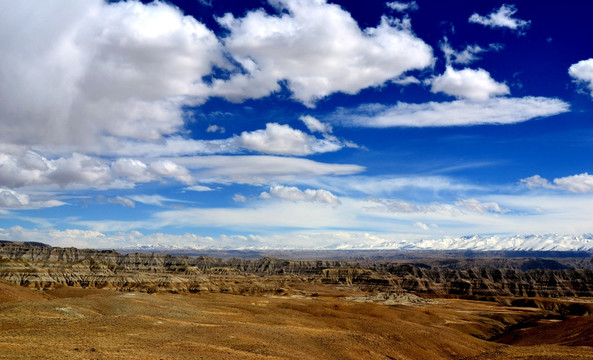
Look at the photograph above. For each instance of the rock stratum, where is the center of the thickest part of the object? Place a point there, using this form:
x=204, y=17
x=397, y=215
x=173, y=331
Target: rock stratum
x=44, y=267
x=67, y=303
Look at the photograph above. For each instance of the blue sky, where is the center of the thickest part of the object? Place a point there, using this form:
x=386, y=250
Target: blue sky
x=293, y=123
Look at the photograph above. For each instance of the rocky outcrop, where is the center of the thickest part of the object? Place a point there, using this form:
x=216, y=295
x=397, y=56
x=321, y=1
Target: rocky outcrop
x=35, y=265
x=494, y=282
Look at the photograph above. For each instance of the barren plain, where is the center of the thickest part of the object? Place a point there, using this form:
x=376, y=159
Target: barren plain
x=78, y=304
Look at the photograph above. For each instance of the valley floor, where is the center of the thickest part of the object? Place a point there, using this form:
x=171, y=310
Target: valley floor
x=313, y=321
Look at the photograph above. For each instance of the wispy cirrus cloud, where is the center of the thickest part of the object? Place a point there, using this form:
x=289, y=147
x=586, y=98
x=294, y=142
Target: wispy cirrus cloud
x=494, y=111
x=468, y=55
x=501, y=18
x=402, y=6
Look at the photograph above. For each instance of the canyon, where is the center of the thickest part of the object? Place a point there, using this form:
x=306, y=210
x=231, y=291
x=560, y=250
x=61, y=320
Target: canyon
x=86, y=303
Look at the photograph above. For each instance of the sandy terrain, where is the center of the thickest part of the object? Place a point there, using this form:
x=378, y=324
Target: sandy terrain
x=74, y=323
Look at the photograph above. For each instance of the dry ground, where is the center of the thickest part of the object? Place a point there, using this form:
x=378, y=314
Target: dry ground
x=71, y=323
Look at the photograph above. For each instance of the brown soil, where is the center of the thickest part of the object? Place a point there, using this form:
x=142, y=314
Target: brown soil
x=312, y=323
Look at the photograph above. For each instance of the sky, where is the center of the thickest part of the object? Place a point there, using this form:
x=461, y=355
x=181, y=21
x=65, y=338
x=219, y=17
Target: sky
x=293, y=123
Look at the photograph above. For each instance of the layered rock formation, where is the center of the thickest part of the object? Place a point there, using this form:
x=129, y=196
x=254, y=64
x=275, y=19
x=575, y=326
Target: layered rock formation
x=40, y=266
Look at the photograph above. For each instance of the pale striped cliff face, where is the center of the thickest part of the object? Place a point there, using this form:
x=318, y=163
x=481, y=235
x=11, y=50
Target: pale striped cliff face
x=45, y=267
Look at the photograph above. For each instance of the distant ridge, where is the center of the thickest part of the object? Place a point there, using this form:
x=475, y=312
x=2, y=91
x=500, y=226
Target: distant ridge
x=431, y=272
x=477, y=243
x=28, y=243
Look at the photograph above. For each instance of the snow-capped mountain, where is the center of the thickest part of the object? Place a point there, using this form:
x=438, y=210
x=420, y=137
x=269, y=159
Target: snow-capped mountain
x=547, y=242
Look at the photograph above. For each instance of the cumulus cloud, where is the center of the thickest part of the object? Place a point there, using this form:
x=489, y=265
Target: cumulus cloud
x=583, y=72
x=303, y=45
x=29, y=169
x=580, y=183
x=81, y=171
x=402, y=6
x=456, y=113
x=133, y=169
x=284, y=140
x=103, y=69
x=239, y=198
x=292, y=193
x=168, y=168
x=502, y=18
x=274, y=139
x=10, y=199
x=19, y=170
x=536, y=181
x=468, y=84
x=215, y=129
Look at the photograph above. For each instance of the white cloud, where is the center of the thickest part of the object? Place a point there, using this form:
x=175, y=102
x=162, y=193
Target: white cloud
x=157, y=200
x=496, y=111
x=503, y=17
x=406, y=80
x=10, y=199
x=467, y=55
x=122, y=201
x=394, y=206
x=388, y=185
x=199, y=188
x=469, y=84
x=80, y=169
x=133, y=169
x=536, y=181
x=402, y=6
x=583, y=72
x=274, y=139
x=475, y=205
x=422, y=225
x=314, y=125
x=261, y=169
x=30, y=169
x=239, y=198
x=215, y=129
x=284, y=140
x=84, y=70
x=168, y=168
x=292, y=193
x=401, y=209
x=304, y=46
x=580, y=183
